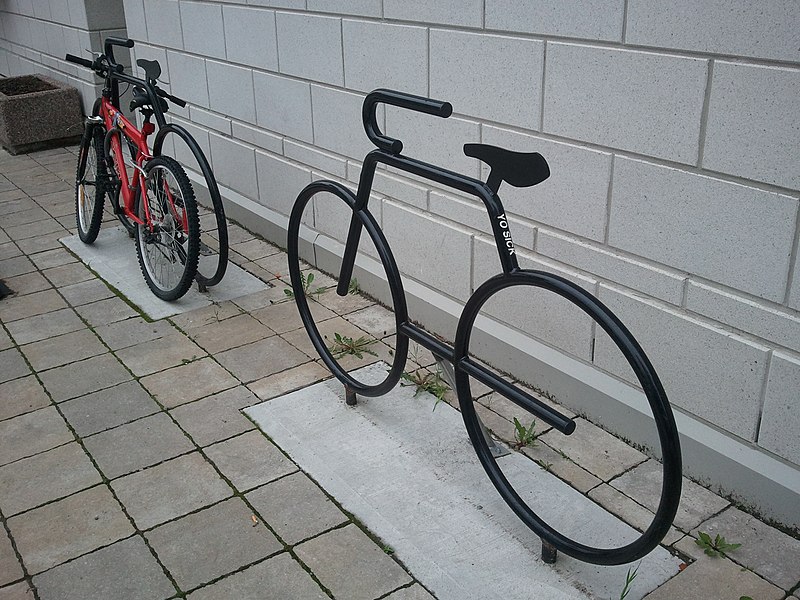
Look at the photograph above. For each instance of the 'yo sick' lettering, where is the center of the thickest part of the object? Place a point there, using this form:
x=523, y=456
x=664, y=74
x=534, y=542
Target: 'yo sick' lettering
x=506, y=234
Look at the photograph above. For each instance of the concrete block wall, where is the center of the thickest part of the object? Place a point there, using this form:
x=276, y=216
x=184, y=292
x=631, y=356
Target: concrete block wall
x=672, y=131
x=36, y=34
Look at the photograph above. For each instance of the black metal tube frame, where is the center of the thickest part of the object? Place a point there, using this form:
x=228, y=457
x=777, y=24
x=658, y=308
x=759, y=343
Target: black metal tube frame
x=388, y=152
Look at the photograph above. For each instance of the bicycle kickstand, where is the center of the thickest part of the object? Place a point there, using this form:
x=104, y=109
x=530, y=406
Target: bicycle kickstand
x=449, y=375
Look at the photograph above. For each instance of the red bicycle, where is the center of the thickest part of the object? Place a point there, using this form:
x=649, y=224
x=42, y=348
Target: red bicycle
x=151, y=195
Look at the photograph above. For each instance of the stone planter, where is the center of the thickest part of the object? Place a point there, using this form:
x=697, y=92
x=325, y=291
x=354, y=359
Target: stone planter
x=38, y=112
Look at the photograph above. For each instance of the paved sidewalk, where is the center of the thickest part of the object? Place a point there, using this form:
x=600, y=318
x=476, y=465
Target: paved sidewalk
x=128, y=471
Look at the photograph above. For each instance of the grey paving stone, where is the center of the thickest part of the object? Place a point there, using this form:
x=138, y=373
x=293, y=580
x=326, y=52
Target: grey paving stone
x=715, y=579
x=137, y=445
x=108, y=408
x=10, y=569
x=262, y=298
x=328, y=329
x=296, y=508
x=207, y=315
x=12, y=365
x=106, y=311
x=37, y=303
x=255, y=249
x=18, y=591
x=595, y=450
x=5, y=340
x=250, y=460
x=217, y=417
x=501, y=427
x=188, y=382
x=122, y=334
x=63, y=349
x=41, y=243
x=57, y=532
x=211, y=543
x=86, y=292
x=20, y=232
x=289, y=380
x=52, y=258
x=84, y=377
x=28, y=283
x=248, y=362
x=28, y=215
x=230, y=333
x=277, y=264
x=629, y=511
x=351, y=565
x=44, y=477
x=769, y=552
x=171, y=489
x=415, y=592
x=68, y=274
x=569, y=471
x=278, y=578
x=375, y=320
x=259, y=272
x=643, y=484
x=40, y=327
x=125, y=570
x=18, y=265
x=343, y=305
x=9, y=250
x=283, y=317
x=32, y=433
x=159, y=354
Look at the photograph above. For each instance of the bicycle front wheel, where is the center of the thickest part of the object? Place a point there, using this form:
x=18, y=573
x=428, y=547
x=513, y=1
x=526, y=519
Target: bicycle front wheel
x=90, y=180
x=343, y=339
x=168, y=240
x=514, y=476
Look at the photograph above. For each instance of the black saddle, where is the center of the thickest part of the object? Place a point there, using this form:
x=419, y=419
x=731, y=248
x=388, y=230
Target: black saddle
x=520, y=169
x=141, y=99
x=151, y=68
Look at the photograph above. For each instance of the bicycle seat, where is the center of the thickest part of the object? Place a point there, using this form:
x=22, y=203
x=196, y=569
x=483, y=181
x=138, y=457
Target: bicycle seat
x=520, y=169
x=151, y=68
x=141, y=99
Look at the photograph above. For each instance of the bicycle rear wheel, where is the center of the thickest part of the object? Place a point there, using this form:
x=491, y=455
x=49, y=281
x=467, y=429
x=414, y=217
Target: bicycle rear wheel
x=90, y=180
x=167, y=243
x=338, y=341
x=500, y=471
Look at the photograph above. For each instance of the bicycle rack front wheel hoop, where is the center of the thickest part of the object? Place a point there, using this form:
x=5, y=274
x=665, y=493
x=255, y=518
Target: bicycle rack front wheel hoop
x=648, y=379
x=367, y=221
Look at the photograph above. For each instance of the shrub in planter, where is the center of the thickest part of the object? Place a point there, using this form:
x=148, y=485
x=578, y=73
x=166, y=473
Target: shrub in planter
x=38, y=112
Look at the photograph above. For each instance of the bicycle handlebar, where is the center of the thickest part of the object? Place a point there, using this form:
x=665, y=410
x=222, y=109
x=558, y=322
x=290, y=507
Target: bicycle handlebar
x=84, y=62
x=403, y=100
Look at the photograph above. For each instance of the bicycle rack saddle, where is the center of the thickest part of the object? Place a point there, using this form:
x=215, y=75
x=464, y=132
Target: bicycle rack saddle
x=151, y=68
x=520, y=169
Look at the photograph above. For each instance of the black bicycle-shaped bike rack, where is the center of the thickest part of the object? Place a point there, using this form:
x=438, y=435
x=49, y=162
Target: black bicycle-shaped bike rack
x=520, y=170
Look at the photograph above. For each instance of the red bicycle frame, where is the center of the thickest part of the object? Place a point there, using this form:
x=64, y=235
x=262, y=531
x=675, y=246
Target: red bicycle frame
x=118, y=125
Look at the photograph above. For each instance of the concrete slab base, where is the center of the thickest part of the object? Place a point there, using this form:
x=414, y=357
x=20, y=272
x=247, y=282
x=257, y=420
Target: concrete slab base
x=113, y=257
x=410, y=475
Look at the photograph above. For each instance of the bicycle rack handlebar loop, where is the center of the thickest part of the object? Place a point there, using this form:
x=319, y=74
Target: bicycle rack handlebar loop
x=403, y=100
